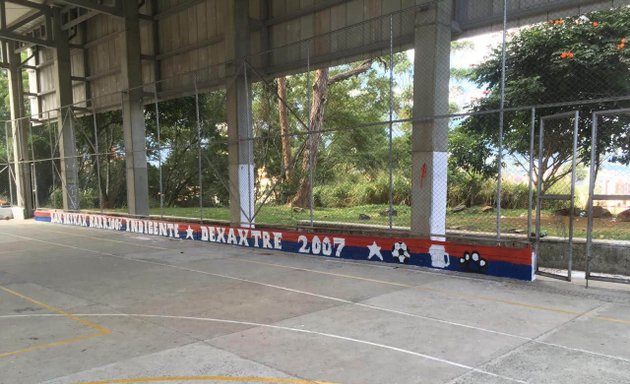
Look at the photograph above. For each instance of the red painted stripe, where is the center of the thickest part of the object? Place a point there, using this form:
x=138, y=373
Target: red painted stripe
x=522, y=256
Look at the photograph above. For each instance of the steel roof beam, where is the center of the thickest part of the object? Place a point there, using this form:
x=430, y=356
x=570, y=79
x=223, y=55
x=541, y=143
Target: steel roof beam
x=9, y=35
x=25, y=20
x=96, y=7
x=30, y=4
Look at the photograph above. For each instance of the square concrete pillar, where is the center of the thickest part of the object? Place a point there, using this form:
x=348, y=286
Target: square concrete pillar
x=240, y=132
x=430, y=133
x=65, y=117
x=134, y=127
x=21, y=154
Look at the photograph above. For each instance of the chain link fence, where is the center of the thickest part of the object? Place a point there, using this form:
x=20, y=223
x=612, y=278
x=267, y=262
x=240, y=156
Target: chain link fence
x=346, y=145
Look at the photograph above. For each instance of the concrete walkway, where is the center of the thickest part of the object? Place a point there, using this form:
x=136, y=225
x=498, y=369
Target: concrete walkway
x=86, y=306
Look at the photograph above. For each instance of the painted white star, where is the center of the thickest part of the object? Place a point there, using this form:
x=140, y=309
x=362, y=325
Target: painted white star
x=189, y=233
x=375, y=250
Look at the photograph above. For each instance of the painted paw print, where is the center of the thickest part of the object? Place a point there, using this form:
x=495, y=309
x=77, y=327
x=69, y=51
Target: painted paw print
x=473, y=262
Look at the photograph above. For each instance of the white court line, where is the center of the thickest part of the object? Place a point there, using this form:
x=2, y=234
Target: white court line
x=290, y=329
x=336, y=299
x=520, y=347
x=301, y=292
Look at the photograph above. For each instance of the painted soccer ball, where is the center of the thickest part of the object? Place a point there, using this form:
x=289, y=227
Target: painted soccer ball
x=400, y=251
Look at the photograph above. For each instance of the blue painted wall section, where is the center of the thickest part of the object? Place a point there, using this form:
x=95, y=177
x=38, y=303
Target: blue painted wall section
x=516, y=263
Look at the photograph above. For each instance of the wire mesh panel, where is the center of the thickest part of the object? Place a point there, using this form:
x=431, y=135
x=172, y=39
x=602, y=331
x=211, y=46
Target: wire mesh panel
x=111, y=160
x=155, y=155
x=473, y=177
x=274, y=122
x=214, y=156
x=178, y=153
x=399, y=185
x=44, y=171
x=557, y=195
x=7, y=175
x=86, y=159
x=49, y=163
x=608, y=208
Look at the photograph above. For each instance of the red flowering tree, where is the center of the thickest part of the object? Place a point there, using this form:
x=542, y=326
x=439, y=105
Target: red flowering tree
x=579, y=60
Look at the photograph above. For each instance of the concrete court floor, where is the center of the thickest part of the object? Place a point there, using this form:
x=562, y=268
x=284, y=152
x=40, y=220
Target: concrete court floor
x=83, y=306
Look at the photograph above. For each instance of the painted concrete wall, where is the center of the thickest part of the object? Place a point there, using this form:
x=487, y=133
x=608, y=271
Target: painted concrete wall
x=516, y=263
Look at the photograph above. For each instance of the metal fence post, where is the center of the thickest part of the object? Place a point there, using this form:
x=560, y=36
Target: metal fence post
x=159, y=149
x=6, y=139
x=541, y=134
x=391, y=117
x=199, y=152
x=52, y=154
x=98, y=159
x=310, y=134
x=576, y=128
x=32, y=165
x=250, y=141
x=501, y=118
x=591, y=191
x=530, y=203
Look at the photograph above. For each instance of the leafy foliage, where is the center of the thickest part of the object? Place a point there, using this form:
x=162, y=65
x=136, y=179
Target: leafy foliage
x=573, y=59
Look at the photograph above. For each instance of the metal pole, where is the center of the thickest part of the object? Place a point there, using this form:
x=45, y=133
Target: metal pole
x=52, y=154
x=501, y=117
x=199, y=151
x=591, y=191
x=532, y=129
x=33, y=168
x=6, y=139
x=159, y=142
x=576, y=126
x=539, y=189
x=310, y=137
x=98, y=159
x=391, y=117
x=249, y=141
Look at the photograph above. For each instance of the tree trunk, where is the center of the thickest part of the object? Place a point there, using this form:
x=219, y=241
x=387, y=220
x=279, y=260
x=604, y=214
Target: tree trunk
x=318, y=106
x=285, y=140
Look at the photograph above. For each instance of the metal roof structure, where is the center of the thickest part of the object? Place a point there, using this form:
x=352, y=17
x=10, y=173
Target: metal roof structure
x=180, y=38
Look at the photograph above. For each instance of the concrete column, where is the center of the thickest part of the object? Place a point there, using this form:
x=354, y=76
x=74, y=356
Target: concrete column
x=133, y=113
x=430, y=136
x=240, y=148
x=65, y=119
x=19, y=126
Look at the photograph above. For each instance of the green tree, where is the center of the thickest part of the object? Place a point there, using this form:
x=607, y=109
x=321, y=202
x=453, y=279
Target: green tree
x=342, y=97
x=179, y=148
x=572, y=59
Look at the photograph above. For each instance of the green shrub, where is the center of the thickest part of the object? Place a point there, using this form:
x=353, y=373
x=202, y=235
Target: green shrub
x=560, y=188
x=514, y=195
x=356, y=190
x=470, y=190
x=88, y=198
x=332, y=195
x=475, y=191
